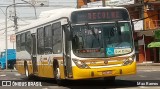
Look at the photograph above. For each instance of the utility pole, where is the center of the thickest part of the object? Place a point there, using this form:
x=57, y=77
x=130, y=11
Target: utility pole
x=77, y=4
x=104, y=3
x=15, y=17
x=6, y=40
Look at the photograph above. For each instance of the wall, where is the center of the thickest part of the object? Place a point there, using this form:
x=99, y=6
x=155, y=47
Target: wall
x=148, y=52
x=150, y=21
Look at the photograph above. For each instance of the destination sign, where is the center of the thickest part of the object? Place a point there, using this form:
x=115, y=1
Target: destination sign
x=99, y=15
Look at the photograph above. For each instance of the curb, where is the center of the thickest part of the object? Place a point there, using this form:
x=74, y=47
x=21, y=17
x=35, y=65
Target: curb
x=148, y=64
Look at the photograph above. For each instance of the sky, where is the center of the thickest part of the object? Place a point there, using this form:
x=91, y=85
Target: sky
x=26, y=14
x=29, y=11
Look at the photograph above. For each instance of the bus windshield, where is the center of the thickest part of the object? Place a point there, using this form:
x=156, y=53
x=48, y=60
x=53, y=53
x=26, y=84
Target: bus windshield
x=102, y=40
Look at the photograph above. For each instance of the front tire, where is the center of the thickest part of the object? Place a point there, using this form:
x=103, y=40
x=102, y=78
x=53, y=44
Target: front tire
x=57, y=75
x=110, y=80
x=27, y=72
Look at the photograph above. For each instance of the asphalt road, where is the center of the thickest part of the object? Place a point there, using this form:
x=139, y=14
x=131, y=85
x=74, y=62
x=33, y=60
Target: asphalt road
x=145, y=75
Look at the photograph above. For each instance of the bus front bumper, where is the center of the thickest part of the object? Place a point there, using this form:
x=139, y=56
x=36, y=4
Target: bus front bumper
x=103, y=72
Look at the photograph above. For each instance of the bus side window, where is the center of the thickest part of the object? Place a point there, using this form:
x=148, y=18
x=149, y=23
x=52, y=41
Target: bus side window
x=40, y=40
x=28, y=42
x=22, y=40
x=57, y=37
x=18, y=43
x=48, y=39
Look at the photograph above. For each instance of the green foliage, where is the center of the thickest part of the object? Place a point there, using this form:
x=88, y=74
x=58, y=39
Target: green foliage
x=157, y=34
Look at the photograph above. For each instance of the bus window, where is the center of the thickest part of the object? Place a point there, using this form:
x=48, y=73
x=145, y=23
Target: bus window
x=57, y=38
x=22, y=40
x=97, y=39
x=48, y=39
x=28, y=42
x=18, y=43
x=40, y=40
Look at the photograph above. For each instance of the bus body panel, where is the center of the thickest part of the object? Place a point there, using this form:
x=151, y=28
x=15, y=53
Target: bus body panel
x=61, y=67
x=20, y=66
x=97, y=72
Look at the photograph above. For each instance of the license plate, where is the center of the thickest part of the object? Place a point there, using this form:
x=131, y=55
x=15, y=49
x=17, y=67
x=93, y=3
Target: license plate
x=107, y=72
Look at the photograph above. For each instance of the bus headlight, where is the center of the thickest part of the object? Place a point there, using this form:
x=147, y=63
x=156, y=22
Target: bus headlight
x=129, y=60
x=80, y=64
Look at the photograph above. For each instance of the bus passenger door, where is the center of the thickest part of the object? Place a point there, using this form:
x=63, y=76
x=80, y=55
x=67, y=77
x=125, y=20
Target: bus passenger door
x=33, y=52
x=67, y=52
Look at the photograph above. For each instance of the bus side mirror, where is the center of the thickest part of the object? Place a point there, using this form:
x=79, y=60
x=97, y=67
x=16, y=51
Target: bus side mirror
x=69, y=36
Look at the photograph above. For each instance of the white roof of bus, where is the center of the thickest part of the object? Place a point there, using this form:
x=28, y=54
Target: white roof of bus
x=108, y=7
x=47, y=16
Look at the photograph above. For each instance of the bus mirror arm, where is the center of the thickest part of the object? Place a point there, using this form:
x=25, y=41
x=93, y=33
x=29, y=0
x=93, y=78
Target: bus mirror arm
x=69, y=23
x=132, y=24
x=69, y=33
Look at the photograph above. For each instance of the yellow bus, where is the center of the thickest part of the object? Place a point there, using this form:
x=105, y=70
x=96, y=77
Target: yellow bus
x=77, y=44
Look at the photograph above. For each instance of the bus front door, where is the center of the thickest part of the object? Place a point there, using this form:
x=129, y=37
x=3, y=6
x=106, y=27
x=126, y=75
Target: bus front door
x=33, y=56
x=68, y=67
x=67, y=54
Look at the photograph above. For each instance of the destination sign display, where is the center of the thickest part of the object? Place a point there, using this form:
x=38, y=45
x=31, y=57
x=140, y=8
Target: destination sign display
x=99, y=15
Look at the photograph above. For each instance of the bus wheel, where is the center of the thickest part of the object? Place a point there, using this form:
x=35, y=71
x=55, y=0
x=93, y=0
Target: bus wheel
x=26, y=71
x=57, y=75
x=110, y=80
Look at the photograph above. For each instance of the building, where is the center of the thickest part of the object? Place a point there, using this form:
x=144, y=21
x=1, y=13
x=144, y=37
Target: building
x=146, y=16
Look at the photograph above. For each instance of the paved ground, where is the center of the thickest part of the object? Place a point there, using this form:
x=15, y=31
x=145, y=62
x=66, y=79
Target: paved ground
x=144, y=74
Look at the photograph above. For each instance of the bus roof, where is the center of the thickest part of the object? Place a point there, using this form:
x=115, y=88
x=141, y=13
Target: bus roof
x=48, y=16
x=107, y=7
